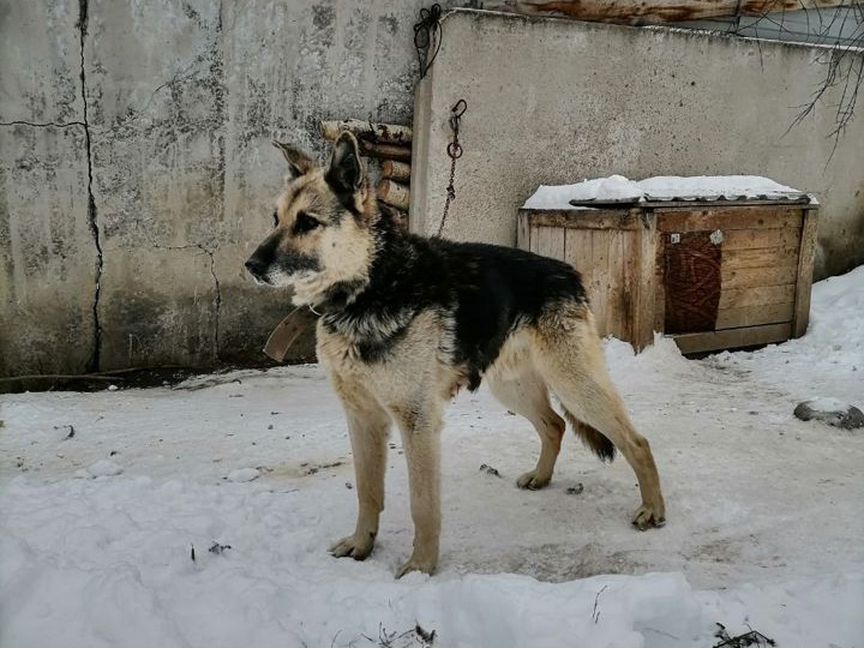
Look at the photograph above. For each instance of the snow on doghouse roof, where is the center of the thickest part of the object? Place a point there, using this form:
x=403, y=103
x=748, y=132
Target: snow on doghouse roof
x=618, y=189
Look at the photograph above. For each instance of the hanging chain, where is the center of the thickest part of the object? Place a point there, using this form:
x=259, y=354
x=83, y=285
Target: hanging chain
x=454, y=151
x=427, y=30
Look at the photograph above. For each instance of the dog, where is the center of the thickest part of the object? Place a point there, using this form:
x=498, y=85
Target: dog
x=407, y=321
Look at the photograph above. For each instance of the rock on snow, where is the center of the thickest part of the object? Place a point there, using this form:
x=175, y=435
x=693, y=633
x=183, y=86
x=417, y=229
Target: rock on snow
x=831, y=411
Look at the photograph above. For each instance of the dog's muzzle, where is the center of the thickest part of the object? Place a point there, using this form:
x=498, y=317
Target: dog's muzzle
x=257, y=268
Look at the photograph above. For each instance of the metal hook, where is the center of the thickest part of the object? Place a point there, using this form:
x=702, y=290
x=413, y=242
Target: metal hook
x=459, y=108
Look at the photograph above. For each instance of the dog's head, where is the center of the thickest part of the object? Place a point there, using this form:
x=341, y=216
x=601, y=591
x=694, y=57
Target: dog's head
x=323, y=236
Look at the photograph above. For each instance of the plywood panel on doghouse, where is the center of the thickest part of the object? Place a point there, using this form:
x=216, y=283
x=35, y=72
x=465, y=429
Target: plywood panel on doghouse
x=757, y=296
x=804, y=279
x=692, y=281
x=752, y=315
x=607, y=250
x=695, y=218
x=733, y=338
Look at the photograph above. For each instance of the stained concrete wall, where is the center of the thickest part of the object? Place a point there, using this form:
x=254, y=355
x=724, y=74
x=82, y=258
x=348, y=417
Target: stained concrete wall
x=48, y=263
x=136, y=173
x=554, y=101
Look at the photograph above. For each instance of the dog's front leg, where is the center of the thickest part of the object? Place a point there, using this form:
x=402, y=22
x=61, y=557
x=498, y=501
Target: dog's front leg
x=421, y=431
x=368, y=426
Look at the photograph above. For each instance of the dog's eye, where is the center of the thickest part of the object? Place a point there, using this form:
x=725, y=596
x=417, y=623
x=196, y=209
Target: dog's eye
x=275, y=219
x=305, y=223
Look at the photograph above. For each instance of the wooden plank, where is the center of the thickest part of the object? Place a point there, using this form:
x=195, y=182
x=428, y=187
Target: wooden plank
x=754, y=315
x=563, y=235
x=757, y=296
x=753, y=277
x=534, y=240
x=393, y=193
x=629, y=288
x=550, y=242
x=801, y=200
x=801, y=316
x=600, y=278
x=760, y=257
x=696, y=219
x=766, y=238
x=577, y=252
x=660, y=282
x=385, y=151
x=383, y=133
x=645, y=284
x=396, y=171
x=617, y=311
x=523, y=232
x=733, y=338
x=584, y=218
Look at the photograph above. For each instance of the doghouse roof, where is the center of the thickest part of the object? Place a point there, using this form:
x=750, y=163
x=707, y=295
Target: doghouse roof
x=619, y=191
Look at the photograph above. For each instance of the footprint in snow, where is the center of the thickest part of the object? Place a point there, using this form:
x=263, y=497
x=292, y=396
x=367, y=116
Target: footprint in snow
x=243, y=475
x=102, y=468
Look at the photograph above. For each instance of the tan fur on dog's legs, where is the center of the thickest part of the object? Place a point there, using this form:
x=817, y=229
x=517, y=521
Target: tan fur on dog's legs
x=571, y=360
x=602, y=409
x=421, y=439
x=368, y=425
x=527, y=396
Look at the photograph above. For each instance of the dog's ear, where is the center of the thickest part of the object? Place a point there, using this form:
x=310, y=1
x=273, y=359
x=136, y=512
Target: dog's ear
x=298, y=162
x=347, y=172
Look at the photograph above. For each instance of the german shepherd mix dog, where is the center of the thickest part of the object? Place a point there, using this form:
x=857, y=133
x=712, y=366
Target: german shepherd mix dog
x=407, y=321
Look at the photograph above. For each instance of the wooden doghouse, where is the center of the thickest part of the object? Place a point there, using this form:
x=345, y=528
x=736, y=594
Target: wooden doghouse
x=712, y=274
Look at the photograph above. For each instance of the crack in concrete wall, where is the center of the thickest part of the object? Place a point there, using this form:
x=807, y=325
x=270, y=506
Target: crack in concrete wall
x=95, y=358
x=21, y=122
x=217, y=300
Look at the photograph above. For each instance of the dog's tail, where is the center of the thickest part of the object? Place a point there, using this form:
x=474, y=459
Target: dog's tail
x=594, y=439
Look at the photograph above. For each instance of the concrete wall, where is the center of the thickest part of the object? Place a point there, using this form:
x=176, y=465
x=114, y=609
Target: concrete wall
x=136, y=173
x=554, y=101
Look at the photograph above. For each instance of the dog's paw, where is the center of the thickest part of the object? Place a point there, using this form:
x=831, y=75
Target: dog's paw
x=416, y=563
x=532, y=481
x=356, y=548
x=647, y=517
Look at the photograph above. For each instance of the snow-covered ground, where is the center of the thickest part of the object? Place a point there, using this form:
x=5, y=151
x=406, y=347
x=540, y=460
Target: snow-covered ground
x=765, y=513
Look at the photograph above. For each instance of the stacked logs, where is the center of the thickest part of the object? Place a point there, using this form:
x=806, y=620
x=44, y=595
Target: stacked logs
x=391, y=145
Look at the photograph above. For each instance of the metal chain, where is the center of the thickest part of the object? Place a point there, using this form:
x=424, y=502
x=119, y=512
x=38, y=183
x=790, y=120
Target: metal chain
x=454, y=151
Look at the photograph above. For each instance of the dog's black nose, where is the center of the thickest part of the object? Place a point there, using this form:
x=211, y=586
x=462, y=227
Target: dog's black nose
x=255, y=266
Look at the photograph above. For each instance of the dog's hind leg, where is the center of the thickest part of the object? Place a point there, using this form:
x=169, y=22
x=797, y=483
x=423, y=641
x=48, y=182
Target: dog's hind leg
x=527, y=395
x=368, y=426
x=569, y=356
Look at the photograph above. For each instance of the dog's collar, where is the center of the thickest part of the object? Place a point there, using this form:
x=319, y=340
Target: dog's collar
x=287, y=332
